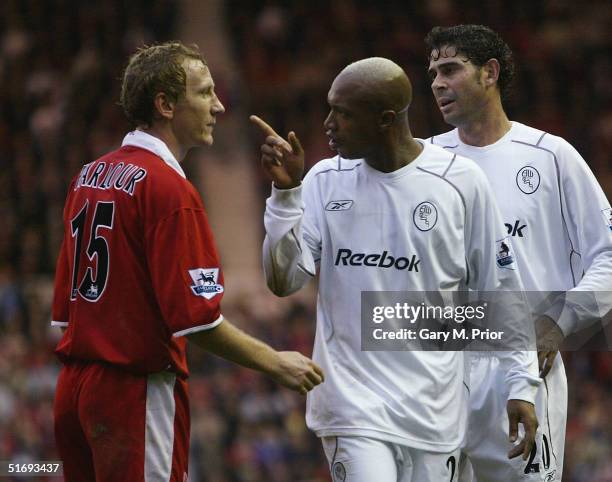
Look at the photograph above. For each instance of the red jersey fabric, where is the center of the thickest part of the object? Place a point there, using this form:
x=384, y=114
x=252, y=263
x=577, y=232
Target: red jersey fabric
x=138, y=266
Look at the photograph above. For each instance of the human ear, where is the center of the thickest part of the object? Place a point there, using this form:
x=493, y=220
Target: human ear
x=164, y=107
x=491, y=72
x=387, y=118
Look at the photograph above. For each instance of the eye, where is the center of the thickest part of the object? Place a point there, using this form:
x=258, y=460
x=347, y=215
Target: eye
x=334, y=112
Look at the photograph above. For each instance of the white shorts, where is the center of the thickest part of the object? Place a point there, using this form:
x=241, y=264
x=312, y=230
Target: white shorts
x=487, y=444
x=361, y=459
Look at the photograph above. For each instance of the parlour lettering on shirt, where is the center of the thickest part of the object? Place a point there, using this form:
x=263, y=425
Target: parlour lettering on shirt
x=120, y=176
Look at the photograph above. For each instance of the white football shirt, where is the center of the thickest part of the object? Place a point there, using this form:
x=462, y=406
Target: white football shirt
x=556, y=214
x=345, y=219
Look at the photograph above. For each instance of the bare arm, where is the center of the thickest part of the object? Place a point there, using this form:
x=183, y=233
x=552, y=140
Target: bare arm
x=291, y=369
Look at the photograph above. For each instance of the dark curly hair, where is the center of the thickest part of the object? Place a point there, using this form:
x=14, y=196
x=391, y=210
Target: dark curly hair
x=153, y=69
x=479, y=44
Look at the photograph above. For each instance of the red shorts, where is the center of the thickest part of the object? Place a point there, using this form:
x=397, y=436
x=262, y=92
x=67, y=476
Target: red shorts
x=112, y=426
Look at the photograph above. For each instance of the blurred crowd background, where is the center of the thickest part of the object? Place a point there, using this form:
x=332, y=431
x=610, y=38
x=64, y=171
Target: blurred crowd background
x=60, y=64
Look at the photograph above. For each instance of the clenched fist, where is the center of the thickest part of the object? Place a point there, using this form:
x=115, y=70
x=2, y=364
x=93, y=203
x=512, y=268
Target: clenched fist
x=297, y=372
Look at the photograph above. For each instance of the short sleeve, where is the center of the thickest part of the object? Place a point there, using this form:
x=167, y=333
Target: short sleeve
x=61, y=291
x=185, y=271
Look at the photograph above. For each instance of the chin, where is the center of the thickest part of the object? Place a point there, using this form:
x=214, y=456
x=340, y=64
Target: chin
x=347, y=154
x=451, y=119
x=207, y=141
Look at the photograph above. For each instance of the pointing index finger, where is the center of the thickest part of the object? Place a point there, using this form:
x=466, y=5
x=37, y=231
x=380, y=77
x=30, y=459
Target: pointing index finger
x=263, y=125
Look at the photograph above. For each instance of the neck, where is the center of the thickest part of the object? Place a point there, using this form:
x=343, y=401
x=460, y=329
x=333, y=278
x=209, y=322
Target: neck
x=488, y=126
x=394, y=156
x=167, y=136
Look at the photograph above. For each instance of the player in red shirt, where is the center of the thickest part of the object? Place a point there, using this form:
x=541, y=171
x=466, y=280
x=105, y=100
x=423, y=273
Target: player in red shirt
x=137, y=274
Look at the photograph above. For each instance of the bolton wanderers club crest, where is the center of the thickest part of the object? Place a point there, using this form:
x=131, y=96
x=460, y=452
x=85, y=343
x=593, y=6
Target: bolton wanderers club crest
x=528, y=179
x=425, y=216
x=504, y=254
x=205, y=282
x=339, y=472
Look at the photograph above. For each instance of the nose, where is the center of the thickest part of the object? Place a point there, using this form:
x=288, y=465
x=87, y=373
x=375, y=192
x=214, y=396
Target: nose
x=328, y=123
x=217, y=107
x=437, y=83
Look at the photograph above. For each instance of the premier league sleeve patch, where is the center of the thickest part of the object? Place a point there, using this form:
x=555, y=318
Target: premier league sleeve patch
x=205, y=282
x=607, y=214
x=504, y=253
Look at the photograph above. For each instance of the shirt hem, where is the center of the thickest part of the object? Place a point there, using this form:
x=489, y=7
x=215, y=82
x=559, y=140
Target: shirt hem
x=389, y=437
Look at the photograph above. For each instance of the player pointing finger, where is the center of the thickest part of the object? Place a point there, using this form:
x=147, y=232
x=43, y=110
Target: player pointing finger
x=282, y=161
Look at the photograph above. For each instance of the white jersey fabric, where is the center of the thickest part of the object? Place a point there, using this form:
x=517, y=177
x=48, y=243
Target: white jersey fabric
x=351, y=459
x=556, y=213
x=347, y=219
x=561, y=228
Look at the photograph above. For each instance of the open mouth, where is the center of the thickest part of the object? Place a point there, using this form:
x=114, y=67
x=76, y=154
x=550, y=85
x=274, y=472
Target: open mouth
x=333, y=142
x=444, y=103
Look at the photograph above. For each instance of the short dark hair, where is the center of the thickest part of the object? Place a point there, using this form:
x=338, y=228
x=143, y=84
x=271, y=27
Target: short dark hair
x=479, y=44
x=153, y=69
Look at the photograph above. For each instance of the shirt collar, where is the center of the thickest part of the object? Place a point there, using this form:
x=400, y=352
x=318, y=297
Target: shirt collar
x=155, y=145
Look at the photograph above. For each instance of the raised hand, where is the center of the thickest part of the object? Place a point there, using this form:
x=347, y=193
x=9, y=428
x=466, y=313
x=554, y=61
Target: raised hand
x=282, y=160
x=297, y=372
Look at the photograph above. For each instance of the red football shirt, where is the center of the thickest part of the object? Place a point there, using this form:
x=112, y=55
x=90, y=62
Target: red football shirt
x=138, y=266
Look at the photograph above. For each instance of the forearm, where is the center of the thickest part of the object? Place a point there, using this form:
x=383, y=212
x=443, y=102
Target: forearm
x=589, y=302
x=283, y=266
x=233, y=344
x=522, y=378
x=287, y=259
x=589, y=224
